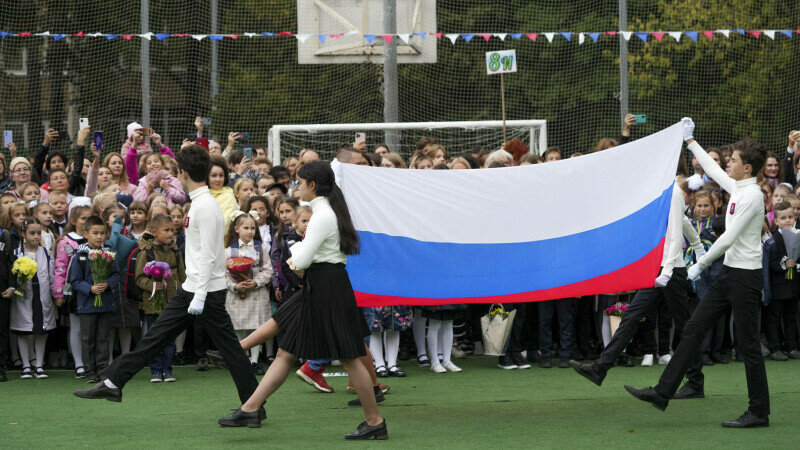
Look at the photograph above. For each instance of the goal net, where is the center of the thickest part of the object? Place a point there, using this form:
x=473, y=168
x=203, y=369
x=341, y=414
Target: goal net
x=459, y=138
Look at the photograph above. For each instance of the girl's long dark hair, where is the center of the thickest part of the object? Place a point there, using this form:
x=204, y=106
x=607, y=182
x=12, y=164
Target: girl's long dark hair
x=322, y=175
x=281, y=227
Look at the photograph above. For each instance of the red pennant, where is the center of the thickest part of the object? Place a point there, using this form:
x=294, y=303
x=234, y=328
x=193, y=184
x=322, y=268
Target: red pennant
x=24, y=34
x=755, y=34
x=80, y=34
x=232, y=36
x=532, y=36
x=335, y=36
x=285, y=33
x=709, y=35
x=659, y=35
x=611, y=33
x=438, y=35
x=387, y=38
x=485, y=37
x=180, y=35
x=128, y=37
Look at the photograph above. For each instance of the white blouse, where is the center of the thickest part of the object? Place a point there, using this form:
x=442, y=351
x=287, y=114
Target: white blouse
x=321, y=242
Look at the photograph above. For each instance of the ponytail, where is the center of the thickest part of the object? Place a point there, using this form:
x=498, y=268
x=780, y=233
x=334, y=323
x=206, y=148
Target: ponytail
x=348, y=238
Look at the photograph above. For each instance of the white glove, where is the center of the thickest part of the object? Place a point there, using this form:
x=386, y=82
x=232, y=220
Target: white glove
x=196, y=307
x=688, y=128
x=699, y=253
x=694, y=272
x=662, y=281
x=695, y=182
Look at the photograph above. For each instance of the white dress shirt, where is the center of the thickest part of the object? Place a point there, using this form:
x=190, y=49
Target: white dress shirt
x=321, y=242
x=676, y=230
x=741, y=241
x=205, y=254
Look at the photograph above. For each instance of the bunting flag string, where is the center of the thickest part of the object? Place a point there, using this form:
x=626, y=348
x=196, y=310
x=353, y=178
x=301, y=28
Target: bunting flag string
x=454, y=38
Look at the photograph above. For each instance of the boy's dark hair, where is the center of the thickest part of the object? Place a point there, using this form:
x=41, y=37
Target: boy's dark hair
x=55, y=171
x=441, y=166
x=159, y=221
x=278, y=172
x=782, y=206
x=194, y=160
x=235, y=157
x=425, y=141
x=752, y=153
x=55, y=154
x=553, y=149
x=93, y=221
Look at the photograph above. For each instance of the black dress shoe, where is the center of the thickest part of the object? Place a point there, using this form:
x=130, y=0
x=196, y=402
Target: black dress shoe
x=262, y=413
x=587, y=371
x=100, y=390
x=240, y=418
x=3, y=376
x=625, y=361
x=546, y=363
x=707, y=361
x=719, y=359
x=747, y=420
x=365, y=431
x=379, y=397
x=563, y=363
x=649, y=395
x=687, y=392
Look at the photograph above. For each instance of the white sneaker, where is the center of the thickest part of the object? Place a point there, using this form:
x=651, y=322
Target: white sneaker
x=450, y=367
x=438, y=368
x=336, y=363
x=647, y=361
x=664, y=359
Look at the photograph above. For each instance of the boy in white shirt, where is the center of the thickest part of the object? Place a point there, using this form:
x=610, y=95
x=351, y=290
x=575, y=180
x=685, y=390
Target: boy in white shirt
x=738, y=285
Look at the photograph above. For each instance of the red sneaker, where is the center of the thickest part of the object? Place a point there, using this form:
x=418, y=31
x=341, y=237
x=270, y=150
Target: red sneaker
x=307, y=374
x=384, y=388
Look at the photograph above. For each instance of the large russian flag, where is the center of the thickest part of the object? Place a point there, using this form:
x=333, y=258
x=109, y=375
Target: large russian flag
x=582, y=226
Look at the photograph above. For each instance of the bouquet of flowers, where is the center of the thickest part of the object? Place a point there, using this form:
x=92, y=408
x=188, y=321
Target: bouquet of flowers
x=160, y=272
x=100, y=261
x=239, y=267
x=24, y=269
x=617, y=309
x=496, y=329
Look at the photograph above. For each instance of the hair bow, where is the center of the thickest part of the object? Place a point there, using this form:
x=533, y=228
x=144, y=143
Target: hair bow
x=235, y=215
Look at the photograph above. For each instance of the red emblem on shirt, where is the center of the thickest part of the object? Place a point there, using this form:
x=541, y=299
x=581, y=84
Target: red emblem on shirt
x=186, y=222
x=733, y=208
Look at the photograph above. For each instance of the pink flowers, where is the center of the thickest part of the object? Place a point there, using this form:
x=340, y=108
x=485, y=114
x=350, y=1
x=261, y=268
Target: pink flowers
x=617, y=309
x=160, y=273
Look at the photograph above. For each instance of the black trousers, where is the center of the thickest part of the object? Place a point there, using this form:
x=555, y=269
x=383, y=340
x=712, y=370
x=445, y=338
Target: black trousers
x=675, y=294
x=5, y=324
x=741, y=289
x=658, y=320
x=786, y=309
x=565, y=310
x=172, y=321
x=515, y=343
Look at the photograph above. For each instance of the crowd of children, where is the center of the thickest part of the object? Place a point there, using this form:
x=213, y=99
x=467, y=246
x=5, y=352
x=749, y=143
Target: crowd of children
x=59, y=213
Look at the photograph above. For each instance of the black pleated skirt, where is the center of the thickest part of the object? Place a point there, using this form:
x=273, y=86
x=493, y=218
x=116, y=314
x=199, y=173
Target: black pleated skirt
x=322, y=320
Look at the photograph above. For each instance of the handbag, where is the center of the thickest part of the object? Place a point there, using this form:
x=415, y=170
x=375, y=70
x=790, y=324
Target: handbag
x=496, y=329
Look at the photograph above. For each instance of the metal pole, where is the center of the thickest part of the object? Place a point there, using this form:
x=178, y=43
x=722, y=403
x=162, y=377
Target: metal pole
x=623, y=62
x=145, y=63
x=503, y=103
x=390, y=111
x=214, y=48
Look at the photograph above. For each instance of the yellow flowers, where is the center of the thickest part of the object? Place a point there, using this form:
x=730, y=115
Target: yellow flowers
x=24, y=269
x=498, y=312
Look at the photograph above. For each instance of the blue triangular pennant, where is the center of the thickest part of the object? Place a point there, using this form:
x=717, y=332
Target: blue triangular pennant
x=467, y=37
x=321, y=38
x=162, y=36
x=516, y=36
x=58, y=37
x=787, y=33
x=595, y=36
x=740, y=31
x=267, y=34
x=111, y=36
x=422, y=35
x=3, y=34
x=370, y=37
x=216, y=37
x=642, y=36
x=567, y=35
x=692, y=35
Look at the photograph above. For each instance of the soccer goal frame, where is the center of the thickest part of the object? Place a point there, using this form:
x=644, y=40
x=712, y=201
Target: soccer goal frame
x=537, y=129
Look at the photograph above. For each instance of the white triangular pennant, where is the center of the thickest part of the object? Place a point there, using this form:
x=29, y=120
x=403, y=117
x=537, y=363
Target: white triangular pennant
x=452, y=37
x=404, y=37
x=581, y=38
x=250, y=35
x=502, y=36
x=44, y=33
x=627, y=35
x=726, y=33
x=95, y=35
x=147, y=36
x=550, y=36
x=675, y=35
x=351, y=33
x=199, y=37
x=302, y=37
x=770, y=34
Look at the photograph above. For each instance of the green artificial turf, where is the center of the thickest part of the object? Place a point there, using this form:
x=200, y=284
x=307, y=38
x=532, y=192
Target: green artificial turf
x=482, y=407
